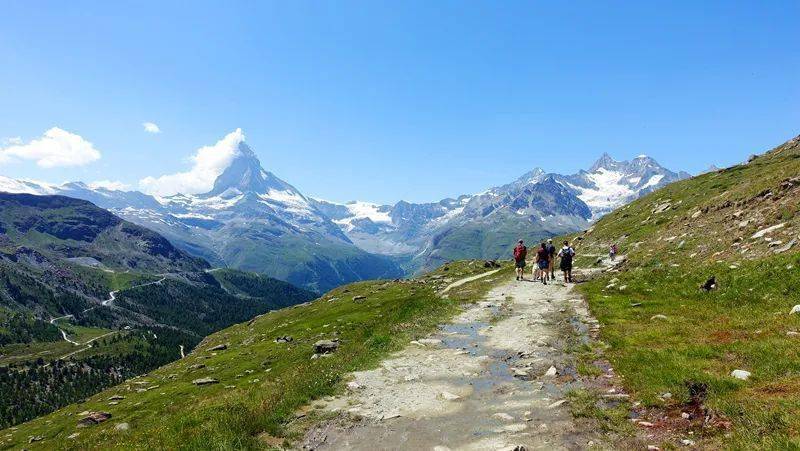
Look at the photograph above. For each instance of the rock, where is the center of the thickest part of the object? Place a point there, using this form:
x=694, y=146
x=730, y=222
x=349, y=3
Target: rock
x=653, y=448
x=284, y=339
x=659, y=317
x=205, y=381
x=795, y=309
x=503, y=416
x=551, y=372
x=491, y=264
x=221, y=347
x=74, y=435
x=449, y=396
x=359, y=298
x=697, y=214
x=556, y=404
x=93, y=418
x=197, y=366
x=35, y=438
x=709, y=284
x=741, y=374
x=763, y=232
x=686, y=415
x=429, y=341
x=645, y=424
x=116, y=398
x=122, y=426
x=326, y=346
x=687, y=442
x=353, y=385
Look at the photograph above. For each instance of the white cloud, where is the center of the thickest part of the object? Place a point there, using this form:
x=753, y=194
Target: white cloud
x=207, y=164
x=110, y=185
x=56, y=148
x=151, y=127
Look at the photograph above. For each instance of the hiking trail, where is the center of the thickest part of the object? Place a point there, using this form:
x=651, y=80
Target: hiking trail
x=485, y=381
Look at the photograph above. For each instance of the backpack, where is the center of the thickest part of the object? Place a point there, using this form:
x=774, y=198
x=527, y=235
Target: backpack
x=520, y=252
x=567, y=254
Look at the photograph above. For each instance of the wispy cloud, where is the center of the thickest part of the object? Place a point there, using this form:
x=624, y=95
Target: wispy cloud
x=151, y=127
x=56, y=148
x=208, y=162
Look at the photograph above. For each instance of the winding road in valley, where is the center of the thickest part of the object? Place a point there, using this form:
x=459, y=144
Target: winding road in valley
x=112, y=296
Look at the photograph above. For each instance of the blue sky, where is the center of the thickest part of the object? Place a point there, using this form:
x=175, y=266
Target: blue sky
x=381, y=101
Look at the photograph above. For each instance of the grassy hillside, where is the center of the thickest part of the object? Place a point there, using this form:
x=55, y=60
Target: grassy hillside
x=260, y=380
x=740, y=225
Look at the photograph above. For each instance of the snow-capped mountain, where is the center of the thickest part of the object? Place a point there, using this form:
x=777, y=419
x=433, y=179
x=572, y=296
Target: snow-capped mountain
x=609, y=184
x=250, y=219
x=534, y=206
x=253, y=220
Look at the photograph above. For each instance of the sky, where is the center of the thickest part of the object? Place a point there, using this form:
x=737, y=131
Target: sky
x=384, y=100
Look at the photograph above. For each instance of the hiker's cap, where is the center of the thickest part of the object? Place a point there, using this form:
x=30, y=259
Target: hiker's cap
x=550, y=240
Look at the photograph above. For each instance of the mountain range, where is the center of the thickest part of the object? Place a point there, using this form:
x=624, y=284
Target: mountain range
x=252, y=220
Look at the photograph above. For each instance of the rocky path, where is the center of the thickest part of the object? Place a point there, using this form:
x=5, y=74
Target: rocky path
x=494, y=378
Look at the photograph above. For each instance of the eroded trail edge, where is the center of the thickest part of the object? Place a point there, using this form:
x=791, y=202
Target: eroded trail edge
x=494, y=378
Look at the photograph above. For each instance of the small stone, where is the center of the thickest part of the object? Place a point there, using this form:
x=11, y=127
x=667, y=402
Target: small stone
x=116, y=398
x=122, y=426
x=551, y=372
x=503, y=416
x=658, y=317
x=35, y=438
x=74, y=435
x=205, y=381
x=653, y=448
x=667, y=395
x=449, y=396
x=353, y=385
x=93, y=418
x=795, y=309
x=645, y=424
x=284, y=339
x=326, y=346
x=359, y=298
x=556, y=404
x=741, y=374
x=687, y=442
x=685, y=415
x=430, y=341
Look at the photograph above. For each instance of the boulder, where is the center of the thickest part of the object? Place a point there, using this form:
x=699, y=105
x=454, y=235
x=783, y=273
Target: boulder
x=326, y=346
x=795, y=309
x=284, y=339
x=221, y=347
x=659, y=317
x=93, y=418
x=122, y=426
x=359, y=298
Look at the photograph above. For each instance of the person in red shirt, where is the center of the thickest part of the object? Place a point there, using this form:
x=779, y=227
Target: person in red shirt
x=520, y=253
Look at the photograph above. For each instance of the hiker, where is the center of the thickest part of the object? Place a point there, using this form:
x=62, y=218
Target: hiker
x=612, y=251
x=551, y=250
x=565, y=254
x=520, y=252
x=542, y=263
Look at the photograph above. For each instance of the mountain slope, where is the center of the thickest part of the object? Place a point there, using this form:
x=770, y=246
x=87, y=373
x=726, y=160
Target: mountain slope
x=265, y=372
x=666, y=334
x=88, y=299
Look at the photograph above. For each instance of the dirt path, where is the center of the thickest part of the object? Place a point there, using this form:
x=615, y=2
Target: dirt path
x=458, y=283
x=484, y=382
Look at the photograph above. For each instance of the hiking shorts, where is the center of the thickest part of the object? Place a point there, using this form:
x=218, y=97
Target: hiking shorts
x=543, y=264
x=566, y=266
x=519, y=263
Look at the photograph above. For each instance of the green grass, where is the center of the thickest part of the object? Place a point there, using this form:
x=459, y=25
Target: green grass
x=261, y=382
x=743, y=324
